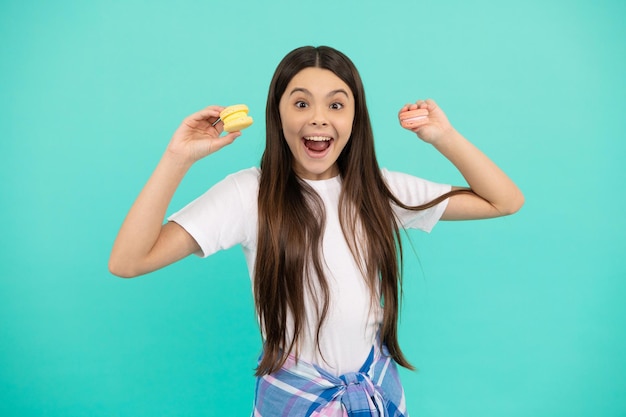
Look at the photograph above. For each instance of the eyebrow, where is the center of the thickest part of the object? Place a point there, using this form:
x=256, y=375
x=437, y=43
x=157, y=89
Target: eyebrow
x=307, y=92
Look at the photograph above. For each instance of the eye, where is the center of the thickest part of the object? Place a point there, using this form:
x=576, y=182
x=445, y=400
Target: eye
x=336, y=106
x=301, y=104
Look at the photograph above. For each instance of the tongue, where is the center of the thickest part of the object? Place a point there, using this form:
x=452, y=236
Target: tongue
x=317, y=146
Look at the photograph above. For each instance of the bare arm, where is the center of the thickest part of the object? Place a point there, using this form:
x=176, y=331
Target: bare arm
x=144, y=243
x=493, y=193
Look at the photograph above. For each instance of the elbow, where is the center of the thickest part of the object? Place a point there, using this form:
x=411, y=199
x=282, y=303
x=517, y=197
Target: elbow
x=121, y=269
x=514, y=204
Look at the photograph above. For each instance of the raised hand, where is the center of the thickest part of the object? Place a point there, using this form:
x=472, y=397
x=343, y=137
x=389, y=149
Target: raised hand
x=433, y=127
x=199, y=136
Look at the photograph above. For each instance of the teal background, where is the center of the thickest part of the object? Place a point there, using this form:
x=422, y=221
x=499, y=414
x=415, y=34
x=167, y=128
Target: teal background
x=518, y=316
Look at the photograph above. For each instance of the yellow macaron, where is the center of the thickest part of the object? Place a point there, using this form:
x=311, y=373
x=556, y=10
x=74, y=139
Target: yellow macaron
x=236, y=118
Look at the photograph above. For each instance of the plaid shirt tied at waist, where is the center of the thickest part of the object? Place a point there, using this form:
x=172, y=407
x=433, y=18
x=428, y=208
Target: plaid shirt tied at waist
x=306, y=390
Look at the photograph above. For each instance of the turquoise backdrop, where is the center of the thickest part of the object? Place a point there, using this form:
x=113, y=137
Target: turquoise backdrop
x=518, y=316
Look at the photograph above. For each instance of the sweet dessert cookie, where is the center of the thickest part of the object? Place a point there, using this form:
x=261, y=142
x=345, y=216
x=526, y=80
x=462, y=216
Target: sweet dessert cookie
x=412, y=119
x=236, y=118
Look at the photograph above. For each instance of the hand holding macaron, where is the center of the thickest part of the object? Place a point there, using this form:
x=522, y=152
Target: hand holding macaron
x=412, y=119
x=425, y=119
x=200, y=134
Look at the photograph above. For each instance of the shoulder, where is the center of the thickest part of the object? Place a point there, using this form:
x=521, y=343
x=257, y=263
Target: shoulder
x=393, y=175
x=396, y=178
x=248, y=175
x=244, y=181
x=414, y=191
x=411, y=188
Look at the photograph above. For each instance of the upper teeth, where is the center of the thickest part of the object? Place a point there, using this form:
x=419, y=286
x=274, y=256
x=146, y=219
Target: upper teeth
x=317, y=138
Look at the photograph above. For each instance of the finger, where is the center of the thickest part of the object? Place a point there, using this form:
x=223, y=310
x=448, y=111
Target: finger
x=430, y=104
x=220, y=142
x=404, y=108
x=210, y=113
x=219, y=126
x=209, y=145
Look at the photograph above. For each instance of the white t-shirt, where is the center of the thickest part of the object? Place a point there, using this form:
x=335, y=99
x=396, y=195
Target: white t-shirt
x=226, y=215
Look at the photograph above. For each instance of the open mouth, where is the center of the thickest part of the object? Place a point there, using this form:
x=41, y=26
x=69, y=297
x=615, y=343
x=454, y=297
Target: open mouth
x=317, y=145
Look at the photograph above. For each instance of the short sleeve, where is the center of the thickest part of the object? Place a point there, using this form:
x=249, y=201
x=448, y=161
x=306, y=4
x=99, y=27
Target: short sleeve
x=414, y=191
x=223, y=216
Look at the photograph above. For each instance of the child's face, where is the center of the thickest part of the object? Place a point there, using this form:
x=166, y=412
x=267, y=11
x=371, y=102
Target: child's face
x=316, y=110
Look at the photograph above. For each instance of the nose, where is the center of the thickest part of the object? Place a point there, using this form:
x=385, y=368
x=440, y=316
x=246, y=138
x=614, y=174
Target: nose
x=318, y=118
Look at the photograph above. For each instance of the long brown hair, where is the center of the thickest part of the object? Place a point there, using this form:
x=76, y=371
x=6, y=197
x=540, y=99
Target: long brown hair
x=291, y=221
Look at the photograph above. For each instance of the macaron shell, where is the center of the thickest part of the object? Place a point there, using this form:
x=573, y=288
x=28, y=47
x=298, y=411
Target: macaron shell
x=235, y=124
x=235, y=118
x=411, y=119
x=233, y=109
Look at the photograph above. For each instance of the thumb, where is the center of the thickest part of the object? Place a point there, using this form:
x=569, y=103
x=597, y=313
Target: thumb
x=219, y=142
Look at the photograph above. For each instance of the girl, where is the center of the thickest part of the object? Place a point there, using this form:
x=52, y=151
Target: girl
x=319, y=224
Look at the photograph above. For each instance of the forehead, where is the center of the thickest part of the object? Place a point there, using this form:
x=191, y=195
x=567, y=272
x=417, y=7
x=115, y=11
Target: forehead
x=317, y=81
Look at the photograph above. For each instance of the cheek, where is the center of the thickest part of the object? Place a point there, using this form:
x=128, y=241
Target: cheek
x=290, y=133
x=284, y=118
x=290, y=124
x=347, y=125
